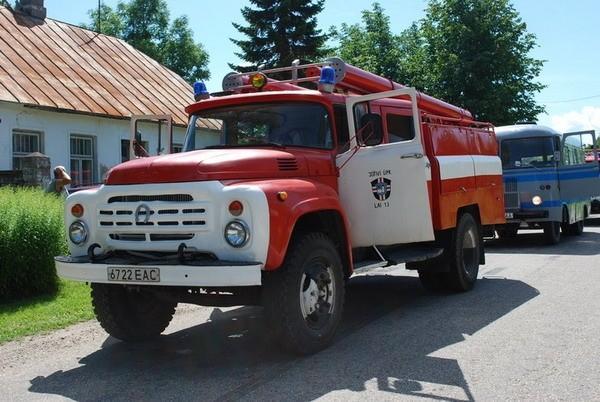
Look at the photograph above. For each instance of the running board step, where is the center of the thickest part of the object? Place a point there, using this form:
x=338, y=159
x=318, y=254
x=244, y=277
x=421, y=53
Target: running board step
x=368, y=265
x=403, y=254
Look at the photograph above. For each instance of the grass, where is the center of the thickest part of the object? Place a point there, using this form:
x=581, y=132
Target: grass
x=31, y=234
x=71, y=304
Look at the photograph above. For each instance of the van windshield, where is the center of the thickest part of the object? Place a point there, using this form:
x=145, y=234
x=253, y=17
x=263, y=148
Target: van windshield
x=527, y=153
x=294, y=124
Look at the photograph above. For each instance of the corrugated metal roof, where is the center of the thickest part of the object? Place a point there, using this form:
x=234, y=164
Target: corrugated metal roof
x=52, y=64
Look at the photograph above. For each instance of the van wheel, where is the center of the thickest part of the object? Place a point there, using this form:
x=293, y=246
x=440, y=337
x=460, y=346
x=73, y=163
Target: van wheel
x=464, y=260
x=304, y=299
x=576, y=229
x=551, y=232
x=130, y=315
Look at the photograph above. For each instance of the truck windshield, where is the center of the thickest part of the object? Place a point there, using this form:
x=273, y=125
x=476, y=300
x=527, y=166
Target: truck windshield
x=528, y=153
x=294, y=124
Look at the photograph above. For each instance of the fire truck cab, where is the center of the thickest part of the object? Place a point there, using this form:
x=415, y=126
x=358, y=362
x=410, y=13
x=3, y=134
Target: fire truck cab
x=293, y=192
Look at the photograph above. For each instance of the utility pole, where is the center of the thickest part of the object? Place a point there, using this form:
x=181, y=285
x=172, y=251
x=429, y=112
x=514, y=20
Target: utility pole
x=99, y=29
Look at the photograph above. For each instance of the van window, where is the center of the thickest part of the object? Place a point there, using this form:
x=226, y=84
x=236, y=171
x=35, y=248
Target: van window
x=399, y=128
x=536, y=152
x=574, y=148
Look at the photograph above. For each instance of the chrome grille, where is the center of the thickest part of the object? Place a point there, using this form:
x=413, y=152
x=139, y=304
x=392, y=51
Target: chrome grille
x=511, y=200
x=152, y=218
x=510, y=186
x=511, y=194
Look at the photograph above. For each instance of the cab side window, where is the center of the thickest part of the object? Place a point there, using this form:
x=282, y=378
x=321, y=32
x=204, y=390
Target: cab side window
x=399, y=128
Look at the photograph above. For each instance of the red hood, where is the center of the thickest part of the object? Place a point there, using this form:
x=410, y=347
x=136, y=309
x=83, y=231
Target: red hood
x=212, y=164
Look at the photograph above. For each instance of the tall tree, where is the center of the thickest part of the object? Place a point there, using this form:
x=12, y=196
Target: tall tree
x=144, y=24
x=106, y=20
x=371, y=45
x=473, y=53
x=278, y=32
x=477, y=55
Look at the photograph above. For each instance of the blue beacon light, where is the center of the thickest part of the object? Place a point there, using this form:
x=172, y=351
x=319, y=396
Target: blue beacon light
x=327, y=80
x=200, y=91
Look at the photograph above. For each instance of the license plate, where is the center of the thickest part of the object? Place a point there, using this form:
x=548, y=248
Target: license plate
x=509, y=215
x=131, y=274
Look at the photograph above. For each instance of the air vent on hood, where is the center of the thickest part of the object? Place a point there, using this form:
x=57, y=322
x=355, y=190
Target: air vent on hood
x=287, y=164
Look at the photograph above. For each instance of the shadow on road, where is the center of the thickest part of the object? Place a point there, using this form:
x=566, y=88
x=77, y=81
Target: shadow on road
x=390, y=328
x=532, y=242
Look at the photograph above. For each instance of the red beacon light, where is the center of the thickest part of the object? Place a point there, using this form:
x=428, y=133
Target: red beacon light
x=327, y=80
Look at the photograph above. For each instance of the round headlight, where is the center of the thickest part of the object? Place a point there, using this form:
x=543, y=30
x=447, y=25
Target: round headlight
x=237, y=233
x=78, y=232
x=536, y=200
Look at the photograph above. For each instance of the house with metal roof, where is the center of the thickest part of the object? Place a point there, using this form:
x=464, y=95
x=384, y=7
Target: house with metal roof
x=69, y=93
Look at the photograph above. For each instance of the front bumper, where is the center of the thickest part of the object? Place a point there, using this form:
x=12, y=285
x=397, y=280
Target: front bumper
x=524, y=215
x=196, y=274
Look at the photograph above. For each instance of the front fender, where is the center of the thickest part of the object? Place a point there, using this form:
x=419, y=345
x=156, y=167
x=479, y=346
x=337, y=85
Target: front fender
x=303, y=196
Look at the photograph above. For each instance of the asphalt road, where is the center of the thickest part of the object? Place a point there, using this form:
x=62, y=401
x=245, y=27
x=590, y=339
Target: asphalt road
x=530, y=330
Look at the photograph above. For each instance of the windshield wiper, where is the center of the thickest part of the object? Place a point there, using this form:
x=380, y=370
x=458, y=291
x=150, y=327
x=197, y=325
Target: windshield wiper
x=258, y=144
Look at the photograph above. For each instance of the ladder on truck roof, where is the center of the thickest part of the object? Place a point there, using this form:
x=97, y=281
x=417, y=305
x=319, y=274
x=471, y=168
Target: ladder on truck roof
x=347, y=78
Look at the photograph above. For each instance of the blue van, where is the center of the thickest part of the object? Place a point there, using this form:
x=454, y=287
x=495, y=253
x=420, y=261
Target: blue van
x=547, y=183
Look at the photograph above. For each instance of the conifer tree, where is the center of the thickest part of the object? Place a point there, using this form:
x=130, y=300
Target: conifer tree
x=278, y=32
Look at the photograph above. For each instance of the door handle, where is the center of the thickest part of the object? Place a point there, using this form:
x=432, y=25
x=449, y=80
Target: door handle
x=415, y=155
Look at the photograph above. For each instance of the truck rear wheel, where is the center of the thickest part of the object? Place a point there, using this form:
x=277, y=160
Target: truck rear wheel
x=465, y=254
x=130, y=315
x=304, y=300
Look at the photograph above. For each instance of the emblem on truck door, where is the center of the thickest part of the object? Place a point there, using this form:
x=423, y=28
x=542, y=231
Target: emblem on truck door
x=142, y=214
x=382, y=188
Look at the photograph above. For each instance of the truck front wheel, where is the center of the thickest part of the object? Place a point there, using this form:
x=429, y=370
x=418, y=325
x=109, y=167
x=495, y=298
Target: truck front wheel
x=304, y=299
x=130, y=314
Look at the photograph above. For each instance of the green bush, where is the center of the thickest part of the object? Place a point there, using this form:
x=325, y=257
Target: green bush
x=31, y=234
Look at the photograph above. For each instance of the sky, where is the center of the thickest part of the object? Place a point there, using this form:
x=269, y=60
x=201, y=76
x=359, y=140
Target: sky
x=567, y=36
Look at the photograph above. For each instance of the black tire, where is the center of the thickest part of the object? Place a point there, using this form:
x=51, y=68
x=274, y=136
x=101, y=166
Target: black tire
x=312, y=262
x=551, y=232
x=465, y=253
x=507, y=232
x=131, y=315
x=576, y=229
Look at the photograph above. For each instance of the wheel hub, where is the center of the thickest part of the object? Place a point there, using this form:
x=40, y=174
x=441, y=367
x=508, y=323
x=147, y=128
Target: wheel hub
x=317, y=295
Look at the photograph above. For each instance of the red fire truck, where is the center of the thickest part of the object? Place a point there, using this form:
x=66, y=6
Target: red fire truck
x=291, y=192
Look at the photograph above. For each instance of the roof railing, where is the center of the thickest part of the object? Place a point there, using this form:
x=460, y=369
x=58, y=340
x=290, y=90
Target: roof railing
x=235, y=81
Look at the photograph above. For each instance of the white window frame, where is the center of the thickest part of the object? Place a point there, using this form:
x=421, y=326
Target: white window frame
x=21, y=154
x=81, y=157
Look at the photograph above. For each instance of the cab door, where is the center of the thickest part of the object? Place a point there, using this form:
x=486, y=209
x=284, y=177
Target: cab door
x=384, y=187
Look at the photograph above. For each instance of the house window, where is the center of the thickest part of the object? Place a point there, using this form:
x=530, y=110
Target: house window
x=24, y=143
x=177, y=148
x=83, y=160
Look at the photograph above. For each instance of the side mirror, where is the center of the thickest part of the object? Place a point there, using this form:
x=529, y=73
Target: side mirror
x=370, y=132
